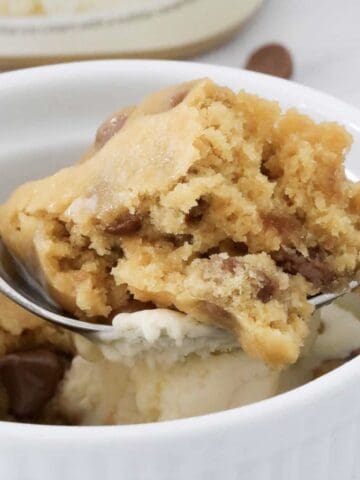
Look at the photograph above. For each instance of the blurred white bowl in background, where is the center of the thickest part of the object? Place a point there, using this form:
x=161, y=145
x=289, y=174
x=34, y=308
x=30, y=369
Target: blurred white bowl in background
x=62, y=14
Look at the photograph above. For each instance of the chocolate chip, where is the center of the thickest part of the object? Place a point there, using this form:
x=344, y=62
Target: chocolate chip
x=177, y=98
x=197, y=212
x=210, y=252
x=230, y=264
x=316, y=253
x=30, y=379
x=267, y=291
x=241, y=248
x=178, y=240
x=109, y=128
x=125, y=225
x=315, y=270
x=117, y=251
x=233, y=249
x=214, y=311
x=286, y=225
x=273, y=59
x=267, y=153
x=265, y=171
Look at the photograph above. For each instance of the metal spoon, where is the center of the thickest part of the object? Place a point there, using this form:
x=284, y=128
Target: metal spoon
x=22, y=289
x=323, y=299
x=17, y=285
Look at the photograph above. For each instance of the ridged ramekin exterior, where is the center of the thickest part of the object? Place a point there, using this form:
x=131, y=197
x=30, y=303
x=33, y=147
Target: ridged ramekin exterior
x=311, y=433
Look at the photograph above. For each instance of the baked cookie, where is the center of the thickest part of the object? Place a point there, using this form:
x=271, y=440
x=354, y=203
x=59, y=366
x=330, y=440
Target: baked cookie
x=213, y=203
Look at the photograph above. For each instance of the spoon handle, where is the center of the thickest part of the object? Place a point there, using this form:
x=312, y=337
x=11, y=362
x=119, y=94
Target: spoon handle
x=326, y=298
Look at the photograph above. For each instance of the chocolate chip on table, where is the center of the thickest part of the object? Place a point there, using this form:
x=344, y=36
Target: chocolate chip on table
x=125, y=225
x=197, y=212
x=31, y=379
x=109, y=128
x=273, y=59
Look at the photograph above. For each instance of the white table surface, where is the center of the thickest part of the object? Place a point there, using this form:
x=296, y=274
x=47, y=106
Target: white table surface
x=323, y=36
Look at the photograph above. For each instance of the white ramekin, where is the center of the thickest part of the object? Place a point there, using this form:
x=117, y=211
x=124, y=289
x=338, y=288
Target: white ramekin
x=47, y=115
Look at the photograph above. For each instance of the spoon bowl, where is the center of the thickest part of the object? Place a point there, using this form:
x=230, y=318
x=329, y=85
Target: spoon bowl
x=21, y=288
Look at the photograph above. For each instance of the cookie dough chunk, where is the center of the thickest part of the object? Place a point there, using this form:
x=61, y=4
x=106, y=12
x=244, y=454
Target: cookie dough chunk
x=199, y=199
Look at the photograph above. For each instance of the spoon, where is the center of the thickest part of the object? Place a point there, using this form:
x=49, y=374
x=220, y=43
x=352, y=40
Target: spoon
x=19, y=287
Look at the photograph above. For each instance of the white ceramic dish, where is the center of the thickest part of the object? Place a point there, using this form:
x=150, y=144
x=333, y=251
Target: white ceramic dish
x=175, y=28
x=47, y=116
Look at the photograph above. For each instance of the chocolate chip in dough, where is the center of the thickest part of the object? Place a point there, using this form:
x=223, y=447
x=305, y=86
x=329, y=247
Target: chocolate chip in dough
x=273, y=59
x=125, y=225
x=214, y=311
x=31, y=379
x=177, y=98
x=178, y=240
x=267, y=291
x=230, y=264
x=109, y=128
x=197, y=212
x=313, y=268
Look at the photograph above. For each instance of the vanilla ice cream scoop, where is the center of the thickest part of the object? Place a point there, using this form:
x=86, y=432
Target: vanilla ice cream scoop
x=161, y=336
x=159, y=365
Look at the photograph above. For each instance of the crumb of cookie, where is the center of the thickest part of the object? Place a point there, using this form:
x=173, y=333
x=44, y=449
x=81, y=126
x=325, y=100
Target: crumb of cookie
x=228, y=203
